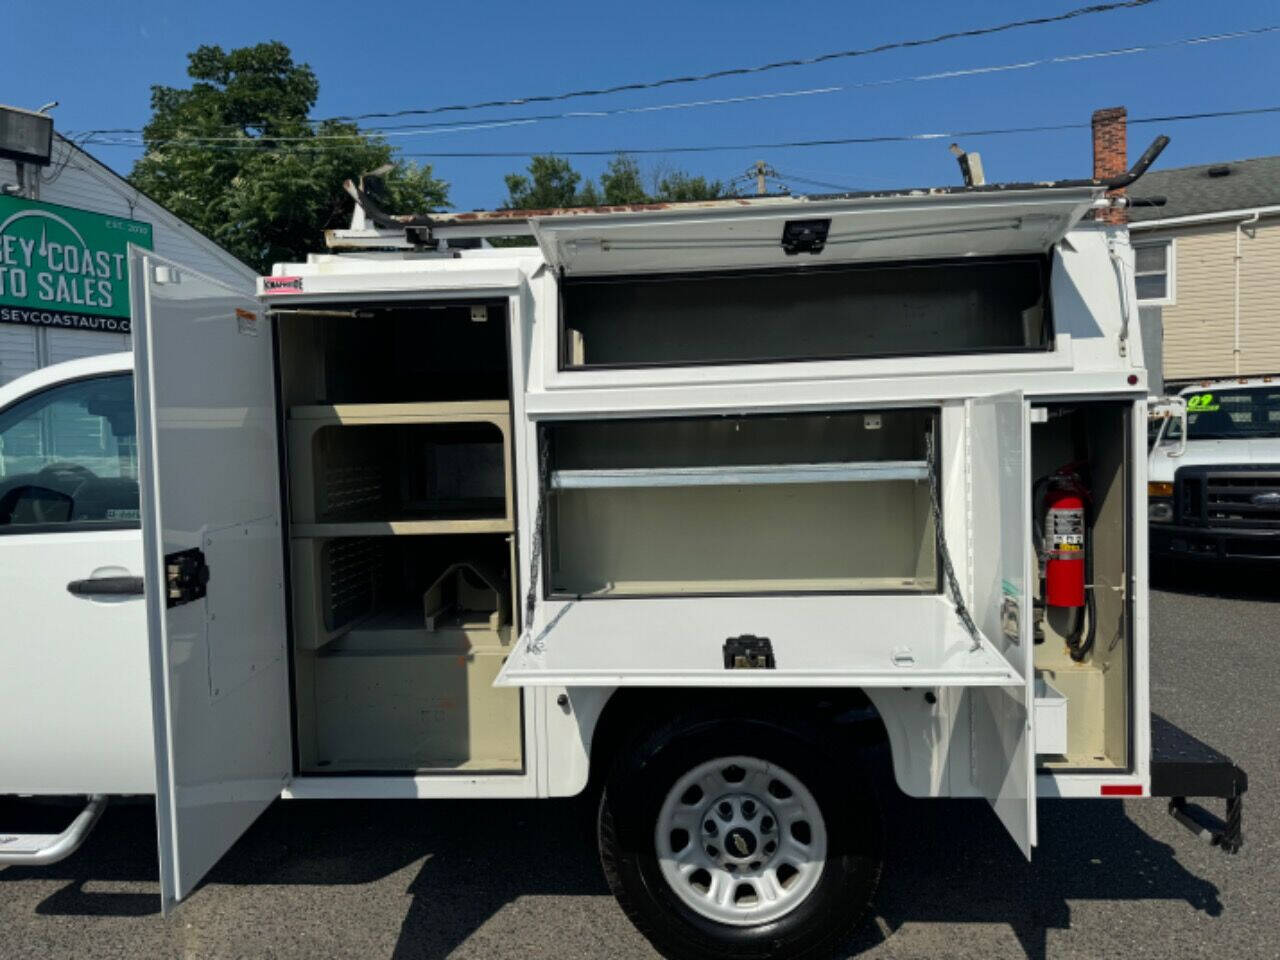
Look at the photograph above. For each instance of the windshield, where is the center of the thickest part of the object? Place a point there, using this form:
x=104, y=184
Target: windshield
x=1231, y=414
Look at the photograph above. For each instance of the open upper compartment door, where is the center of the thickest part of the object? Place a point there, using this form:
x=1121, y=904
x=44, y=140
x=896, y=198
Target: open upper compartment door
x=786, y=232
x=210, y=494
x=671, y=545
x=1002, y=741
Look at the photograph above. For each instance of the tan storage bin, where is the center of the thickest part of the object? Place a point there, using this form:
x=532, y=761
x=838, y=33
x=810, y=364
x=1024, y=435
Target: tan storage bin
x=395, y=700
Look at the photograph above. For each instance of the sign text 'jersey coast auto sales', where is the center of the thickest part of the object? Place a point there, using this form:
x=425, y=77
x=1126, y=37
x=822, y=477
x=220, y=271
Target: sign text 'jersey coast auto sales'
x=62, y=267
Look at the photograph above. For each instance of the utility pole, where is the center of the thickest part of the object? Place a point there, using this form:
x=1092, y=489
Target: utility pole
x=762, y=172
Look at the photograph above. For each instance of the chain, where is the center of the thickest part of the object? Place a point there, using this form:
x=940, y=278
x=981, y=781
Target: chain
x=948, y=571
x=535, y=551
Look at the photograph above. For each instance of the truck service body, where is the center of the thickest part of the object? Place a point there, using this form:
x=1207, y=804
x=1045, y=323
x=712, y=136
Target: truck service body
x=682, y=503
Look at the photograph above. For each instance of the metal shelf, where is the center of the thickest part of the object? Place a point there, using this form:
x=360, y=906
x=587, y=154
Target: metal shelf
x=383, y=528
x=752, y=474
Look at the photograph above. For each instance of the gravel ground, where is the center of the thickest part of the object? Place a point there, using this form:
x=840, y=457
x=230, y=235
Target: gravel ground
x=489, y=879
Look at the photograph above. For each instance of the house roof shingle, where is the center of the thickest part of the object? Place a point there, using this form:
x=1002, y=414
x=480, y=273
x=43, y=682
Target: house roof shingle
x=1206, y=189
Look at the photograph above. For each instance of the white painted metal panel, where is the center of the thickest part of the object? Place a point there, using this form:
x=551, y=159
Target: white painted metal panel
x=857, y=640
x=1001, y=736
x=927, y=226
x=76, y=704
x=208, y=445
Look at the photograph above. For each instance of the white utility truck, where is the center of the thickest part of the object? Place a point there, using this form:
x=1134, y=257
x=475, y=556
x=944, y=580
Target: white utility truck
x=1214, y=473
x=685, y=504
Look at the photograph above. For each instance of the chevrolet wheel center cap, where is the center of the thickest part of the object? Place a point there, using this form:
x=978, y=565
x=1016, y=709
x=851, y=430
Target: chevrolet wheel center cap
x=740, y=843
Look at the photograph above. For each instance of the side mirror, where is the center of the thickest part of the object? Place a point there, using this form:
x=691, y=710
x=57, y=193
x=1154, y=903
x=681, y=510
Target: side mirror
x=1180, y=412
x=1166, y=410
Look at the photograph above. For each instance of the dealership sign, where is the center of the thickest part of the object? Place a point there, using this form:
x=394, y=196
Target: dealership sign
x=61, y=267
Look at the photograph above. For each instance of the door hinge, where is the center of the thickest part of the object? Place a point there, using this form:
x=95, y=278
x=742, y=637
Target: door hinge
x=186, y=576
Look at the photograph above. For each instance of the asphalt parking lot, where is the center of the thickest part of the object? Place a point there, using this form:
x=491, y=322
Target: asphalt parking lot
x=519, y=879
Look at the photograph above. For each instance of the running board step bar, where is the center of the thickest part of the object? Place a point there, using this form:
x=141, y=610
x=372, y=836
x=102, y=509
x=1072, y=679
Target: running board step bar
x=38, y=849
x=1183, y=766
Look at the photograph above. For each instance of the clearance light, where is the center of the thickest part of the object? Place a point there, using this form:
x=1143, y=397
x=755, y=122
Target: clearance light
x=1122, y=789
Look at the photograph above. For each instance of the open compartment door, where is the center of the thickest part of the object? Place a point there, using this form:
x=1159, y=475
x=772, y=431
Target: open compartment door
x=1002, y=741
x=776, y=551
x=786, y=232
x=210, y=499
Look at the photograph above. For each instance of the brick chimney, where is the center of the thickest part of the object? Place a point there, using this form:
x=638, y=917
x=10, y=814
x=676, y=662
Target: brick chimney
x=1110, y=155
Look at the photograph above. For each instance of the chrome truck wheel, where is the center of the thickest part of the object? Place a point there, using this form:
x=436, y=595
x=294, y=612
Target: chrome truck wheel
x=741, y=841
x=740, y=837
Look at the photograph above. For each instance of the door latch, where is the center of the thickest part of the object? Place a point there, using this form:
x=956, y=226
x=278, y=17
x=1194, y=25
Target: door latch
x=748, y=652
x=804, y=236
x=186, y=576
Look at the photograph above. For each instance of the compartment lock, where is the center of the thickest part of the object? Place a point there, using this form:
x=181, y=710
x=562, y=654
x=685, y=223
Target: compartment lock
x=748, y=652
x=186, y=576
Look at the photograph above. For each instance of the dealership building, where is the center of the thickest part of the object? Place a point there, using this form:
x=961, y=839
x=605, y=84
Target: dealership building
x=66, y=221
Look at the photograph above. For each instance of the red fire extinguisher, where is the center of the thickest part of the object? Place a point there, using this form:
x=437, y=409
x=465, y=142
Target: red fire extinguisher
x=1065, y=546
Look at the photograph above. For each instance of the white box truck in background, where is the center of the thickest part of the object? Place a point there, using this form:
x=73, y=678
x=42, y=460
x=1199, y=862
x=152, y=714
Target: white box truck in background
x=687, y=504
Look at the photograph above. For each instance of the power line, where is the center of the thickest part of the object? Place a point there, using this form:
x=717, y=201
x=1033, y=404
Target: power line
x=247, y=143
x=1090, y=10
x=818, y=183
x=824, y=142
x=762, y=68
x=843, y=141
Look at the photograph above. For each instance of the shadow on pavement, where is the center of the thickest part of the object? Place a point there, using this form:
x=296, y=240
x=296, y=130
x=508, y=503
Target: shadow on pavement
x=948, y=862
x=1229, y=581
x=951, y=862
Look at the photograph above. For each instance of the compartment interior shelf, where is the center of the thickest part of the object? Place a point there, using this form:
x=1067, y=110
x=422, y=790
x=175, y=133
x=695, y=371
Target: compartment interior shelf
x=740, y=475
x=374, y=469
x=460, y=411
x=381, y=528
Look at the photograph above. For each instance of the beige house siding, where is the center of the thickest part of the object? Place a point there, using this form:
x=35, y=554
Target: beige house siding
x=1199, y=323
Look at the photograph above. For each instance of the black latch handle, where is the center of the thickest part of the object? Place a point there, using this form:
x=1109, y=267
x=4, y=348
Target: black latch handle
x=186, y=576
x=748, y=652
x=107, y=587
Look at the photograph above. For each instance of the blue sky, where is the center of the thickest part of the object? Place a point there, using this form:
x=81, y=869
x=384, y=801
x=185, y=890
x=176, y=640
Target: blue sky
x=99, y=60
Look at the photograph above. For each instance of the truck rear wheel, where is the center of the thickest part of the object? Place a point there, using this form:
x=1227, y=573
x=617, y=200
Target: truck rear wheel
x=735, y=837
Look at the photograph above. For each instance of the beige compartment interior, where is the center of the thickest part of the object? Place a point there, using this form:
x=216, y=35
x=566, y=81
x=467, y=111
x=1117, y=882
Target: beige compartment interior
x=402, y=547
x=1097, y=690
x=797, y=503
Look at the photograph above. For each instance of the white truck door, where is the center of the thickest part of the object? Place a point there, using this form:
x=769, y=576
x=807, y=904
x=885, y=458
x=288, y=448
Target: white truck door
x=211, y=525
x=75, y=662
x=1002, y=745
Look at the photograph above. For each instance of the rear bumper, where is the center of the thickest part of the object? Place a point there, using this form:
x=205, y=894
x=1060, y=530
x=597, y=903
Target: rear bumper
x=1205, y=543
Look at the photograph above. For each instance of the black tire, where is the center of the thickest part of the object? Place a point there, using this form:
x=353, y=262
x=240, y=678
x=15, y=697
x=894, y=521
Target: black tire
x=634, y=791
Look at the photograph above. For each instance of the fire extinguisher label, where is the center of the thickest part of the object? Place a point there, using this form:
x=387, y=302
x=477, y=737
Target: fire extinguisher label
x=1066, y=531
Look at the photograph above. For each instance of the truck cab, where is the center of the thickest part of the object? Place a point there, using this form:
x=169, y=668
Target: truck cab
x=1214, y=484
x=679, y=505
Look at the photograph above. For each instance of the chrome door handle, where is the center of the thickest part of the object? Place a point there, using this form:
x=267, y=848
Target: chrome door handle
x=107, y=587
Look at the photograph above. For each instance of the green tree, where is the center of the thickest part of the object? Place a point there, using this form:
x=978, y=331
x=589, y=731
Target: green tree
x=235, y=156
x=551, y=181
x=622, y=181
x=679, y=186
